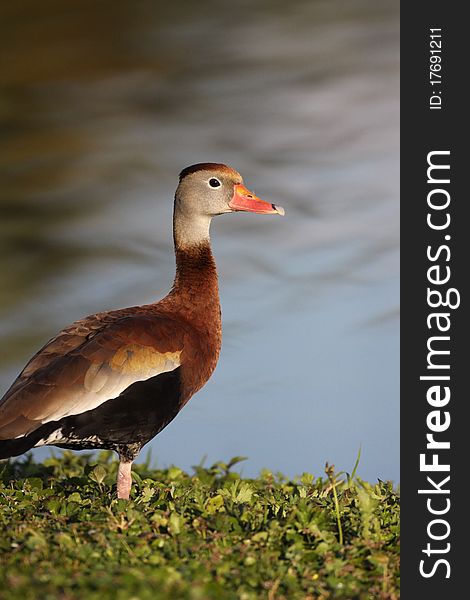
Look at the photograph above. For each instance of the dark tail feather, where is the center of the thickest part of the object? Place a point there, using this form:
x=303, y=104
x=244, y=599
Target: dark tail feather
x=9, y=448
x=17, y=446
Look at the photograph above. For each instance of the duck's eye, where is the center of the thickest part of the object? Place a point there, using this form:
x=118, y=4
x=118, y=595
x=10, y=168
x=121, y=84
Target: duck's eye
x=214, y=183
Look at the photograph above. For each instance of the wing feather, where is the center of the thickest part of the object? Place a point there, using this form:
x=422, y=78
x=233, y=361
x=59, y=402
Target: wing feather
x=91, y=361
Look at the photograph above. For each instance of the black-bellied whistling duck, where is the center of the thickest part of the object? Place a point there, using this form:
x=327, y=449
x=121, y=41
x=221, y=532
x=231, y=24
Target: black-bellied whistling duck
x=115, y=379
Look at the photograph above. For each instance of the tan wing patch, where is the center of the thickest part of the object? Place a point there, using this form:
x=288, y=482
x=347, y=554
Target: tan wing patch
x=135, y=359
x=129, y=364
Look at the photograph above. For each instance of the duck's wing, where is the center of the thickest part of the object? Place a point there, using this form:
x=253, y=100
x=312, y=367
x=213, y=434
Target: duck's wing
x=62, y=344
x=88, y=363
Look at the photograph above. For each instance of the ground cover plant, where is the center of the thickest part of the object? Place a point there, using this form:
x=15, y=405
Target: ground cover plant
x=210, y=534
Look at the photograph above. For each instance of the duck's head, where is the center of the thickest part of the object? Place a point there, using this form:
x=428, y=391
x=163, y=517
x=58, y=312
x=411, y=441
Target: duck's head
x=206, y=190
x=211, y=189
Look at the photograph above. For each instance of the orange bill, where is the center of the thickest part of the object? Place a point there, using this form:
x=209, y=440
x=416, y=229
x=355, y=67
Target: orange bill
x=243, y=199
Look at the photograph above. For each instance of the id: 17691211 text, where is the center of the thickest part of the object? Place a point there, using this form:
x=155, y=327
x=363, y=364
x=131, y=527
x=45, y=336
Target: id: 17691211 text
x=435, y=68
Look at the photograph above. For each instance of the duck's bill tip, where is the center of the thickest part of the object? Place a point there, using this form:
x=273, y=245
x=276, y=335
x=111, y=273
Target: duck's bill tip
x=245, y=200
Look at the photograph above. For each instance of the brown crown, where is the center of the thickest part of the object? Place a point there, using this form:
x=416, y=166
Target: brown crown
x=207, y=166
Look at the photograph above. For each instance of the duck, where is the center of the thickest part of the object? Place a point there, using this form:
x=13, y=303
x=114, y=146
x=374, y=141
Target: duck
x=115, y=379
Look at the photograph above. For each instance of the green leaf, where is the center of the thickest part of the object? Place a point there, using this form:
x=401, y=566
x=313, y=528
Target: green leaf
x=175, y=524
x=98, y=474
x=214, y=504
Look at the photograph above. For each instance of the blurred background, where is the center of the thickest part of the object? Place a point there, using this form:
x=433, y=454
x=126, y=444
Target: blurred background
x=103, y=103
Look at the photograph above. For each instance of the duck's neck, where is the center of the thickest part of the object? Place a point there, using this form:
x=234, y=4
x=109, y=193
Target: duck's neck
x=190, y=230
x=196, y=273
x=195, y=291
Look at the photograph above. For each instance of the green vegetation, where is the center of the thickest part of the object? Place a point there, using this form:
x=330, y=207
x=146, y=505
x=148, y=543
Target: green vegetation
x=206, y=535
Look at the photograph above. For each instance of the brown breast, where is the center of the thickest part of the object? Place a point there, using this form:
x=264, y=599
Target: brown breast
x=194, y=299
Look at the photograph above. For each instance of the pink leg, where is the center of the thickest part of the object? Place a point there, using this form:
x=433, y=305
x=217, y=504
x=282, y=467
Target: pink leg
x=124, y=480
